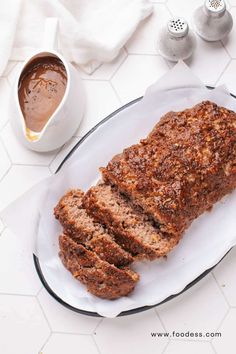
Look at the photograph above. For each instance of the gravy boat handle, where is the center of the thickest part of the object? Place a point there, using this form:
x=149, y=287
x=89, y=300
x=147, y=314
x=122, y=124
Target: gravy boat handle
x=50, y=40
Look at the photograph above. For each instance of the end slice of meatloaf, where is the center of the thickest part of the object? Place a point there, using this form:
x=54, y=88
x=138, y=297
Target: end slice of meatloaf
x=132, y=230
x=101, y=278
x=185, y=165
x=82, y=228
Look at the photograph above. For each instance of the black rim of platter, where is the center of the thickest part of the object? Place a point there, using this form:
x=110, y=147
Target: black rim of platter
x=124, y=313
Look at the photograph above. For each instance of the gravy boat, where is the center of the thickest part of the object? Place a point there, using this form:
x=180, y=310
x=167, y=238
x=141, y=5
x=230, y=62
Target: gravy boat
x=66, y=118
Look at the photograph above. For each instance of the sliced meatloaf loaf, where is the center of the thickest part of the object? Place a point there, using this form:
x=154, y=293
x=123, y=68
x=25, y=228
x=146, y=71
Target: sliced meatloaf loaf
x=130, y=226
x=100, y=277
x=185, y=165
x=82, y=228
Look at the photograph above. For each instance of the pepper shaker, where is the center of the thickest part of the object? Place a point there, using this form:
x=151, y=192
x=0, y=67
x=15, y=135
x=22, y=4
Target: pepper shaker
x=176, y=40
x=212, y=21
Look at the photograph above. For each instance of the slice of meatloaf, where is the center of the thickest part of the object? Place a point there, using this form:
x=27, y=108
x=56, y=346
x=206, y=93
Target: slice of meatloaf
x=131, y=227
x=100, y=277
x=185, y=165
x=82, y=228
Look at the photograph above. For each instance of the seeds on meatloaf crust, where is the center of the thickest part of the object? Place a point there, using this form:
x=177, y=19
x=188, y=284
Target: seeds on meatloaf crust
x=82, y=228
x=131, y=228
x=185, y=165
x=100, y=277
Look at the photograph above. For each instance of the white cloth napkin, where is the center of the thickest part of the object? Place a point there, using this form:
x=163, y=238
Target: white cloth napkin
x=90, y=31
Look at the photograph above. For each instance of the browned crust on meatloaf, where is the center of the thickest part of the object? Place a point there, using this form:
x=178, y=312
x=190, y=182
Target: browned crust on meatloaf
x=132, y=230
x=185, y=165
x=82, y=228
x=101, y=278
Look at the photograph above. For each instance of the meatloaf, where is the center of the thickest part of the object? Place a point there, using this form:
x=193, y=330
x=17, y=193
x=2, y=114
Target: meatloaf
x=132, y=230
x=100, y=277
x=185, y=165
x=81, y=227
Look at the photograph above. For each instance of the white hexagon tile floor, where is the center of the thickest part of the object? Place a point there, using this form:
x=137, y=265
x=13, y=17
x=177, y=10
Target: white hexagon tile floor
x=197, y=313
x=22, y=317
x=131, y=332
x=16, y=263
x=31, y=322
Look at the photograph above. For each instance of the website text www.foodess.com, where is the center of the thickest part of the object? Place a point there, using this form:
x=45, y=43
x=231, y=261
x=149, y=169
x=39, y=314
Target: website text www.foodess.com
x=186, y=334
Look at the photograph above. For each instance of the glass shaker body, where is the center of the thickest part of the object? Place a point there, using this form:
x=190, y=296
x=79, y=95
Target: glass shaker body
x=212, y=21
x=176, y=41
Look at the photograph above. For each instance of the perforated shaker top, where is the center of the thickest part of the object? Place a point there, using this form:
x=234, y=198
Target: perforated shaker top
x=178, y=27
x=215, y=6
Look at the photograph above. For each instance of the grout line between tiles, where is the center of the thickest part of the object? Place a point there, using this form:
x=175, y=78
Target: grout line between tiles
x=4, y=125
x=97, y=325
x=99, y=80
x=13, y=66
x=29, y=165
x=1, y=233
x=8, y=81
x=226, y=49
x=15, y=294
x=168, y=10
x=166, y=346
x=116, y=93
x=71, y=333
x=5, y=174
x=146, y=55
x=44, y=315
x=220, y=288
x=118, y=67
x=96, y=344
x=5, y=149
x=160, y=319
x=39, y=291
x=223, y=71
x=167, y=6
x=221, y=322
x=213, y=348
x=44, y=344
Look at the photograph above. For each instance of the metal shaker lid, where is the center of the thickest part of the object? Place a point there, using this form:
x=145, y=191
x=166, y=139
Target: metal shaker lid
x=178, y=27
x=215, y=7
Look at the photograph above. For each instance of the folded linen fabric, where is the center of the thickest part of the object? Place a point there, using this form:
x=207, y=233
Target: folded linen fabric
x=90, y=31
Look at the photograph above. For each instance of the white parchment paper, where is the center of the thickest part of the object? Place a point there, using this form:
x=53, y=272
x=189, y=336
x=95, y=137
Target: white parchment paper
x=203, y=245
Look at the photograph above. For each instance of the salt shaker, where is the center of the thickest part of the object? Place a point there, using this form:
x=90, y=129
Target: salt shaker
x=176, y=40
x=212, y=21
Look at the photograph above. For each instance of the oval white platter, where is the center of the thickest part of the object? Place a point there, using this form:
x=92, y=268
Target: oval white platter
x=204, y=244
